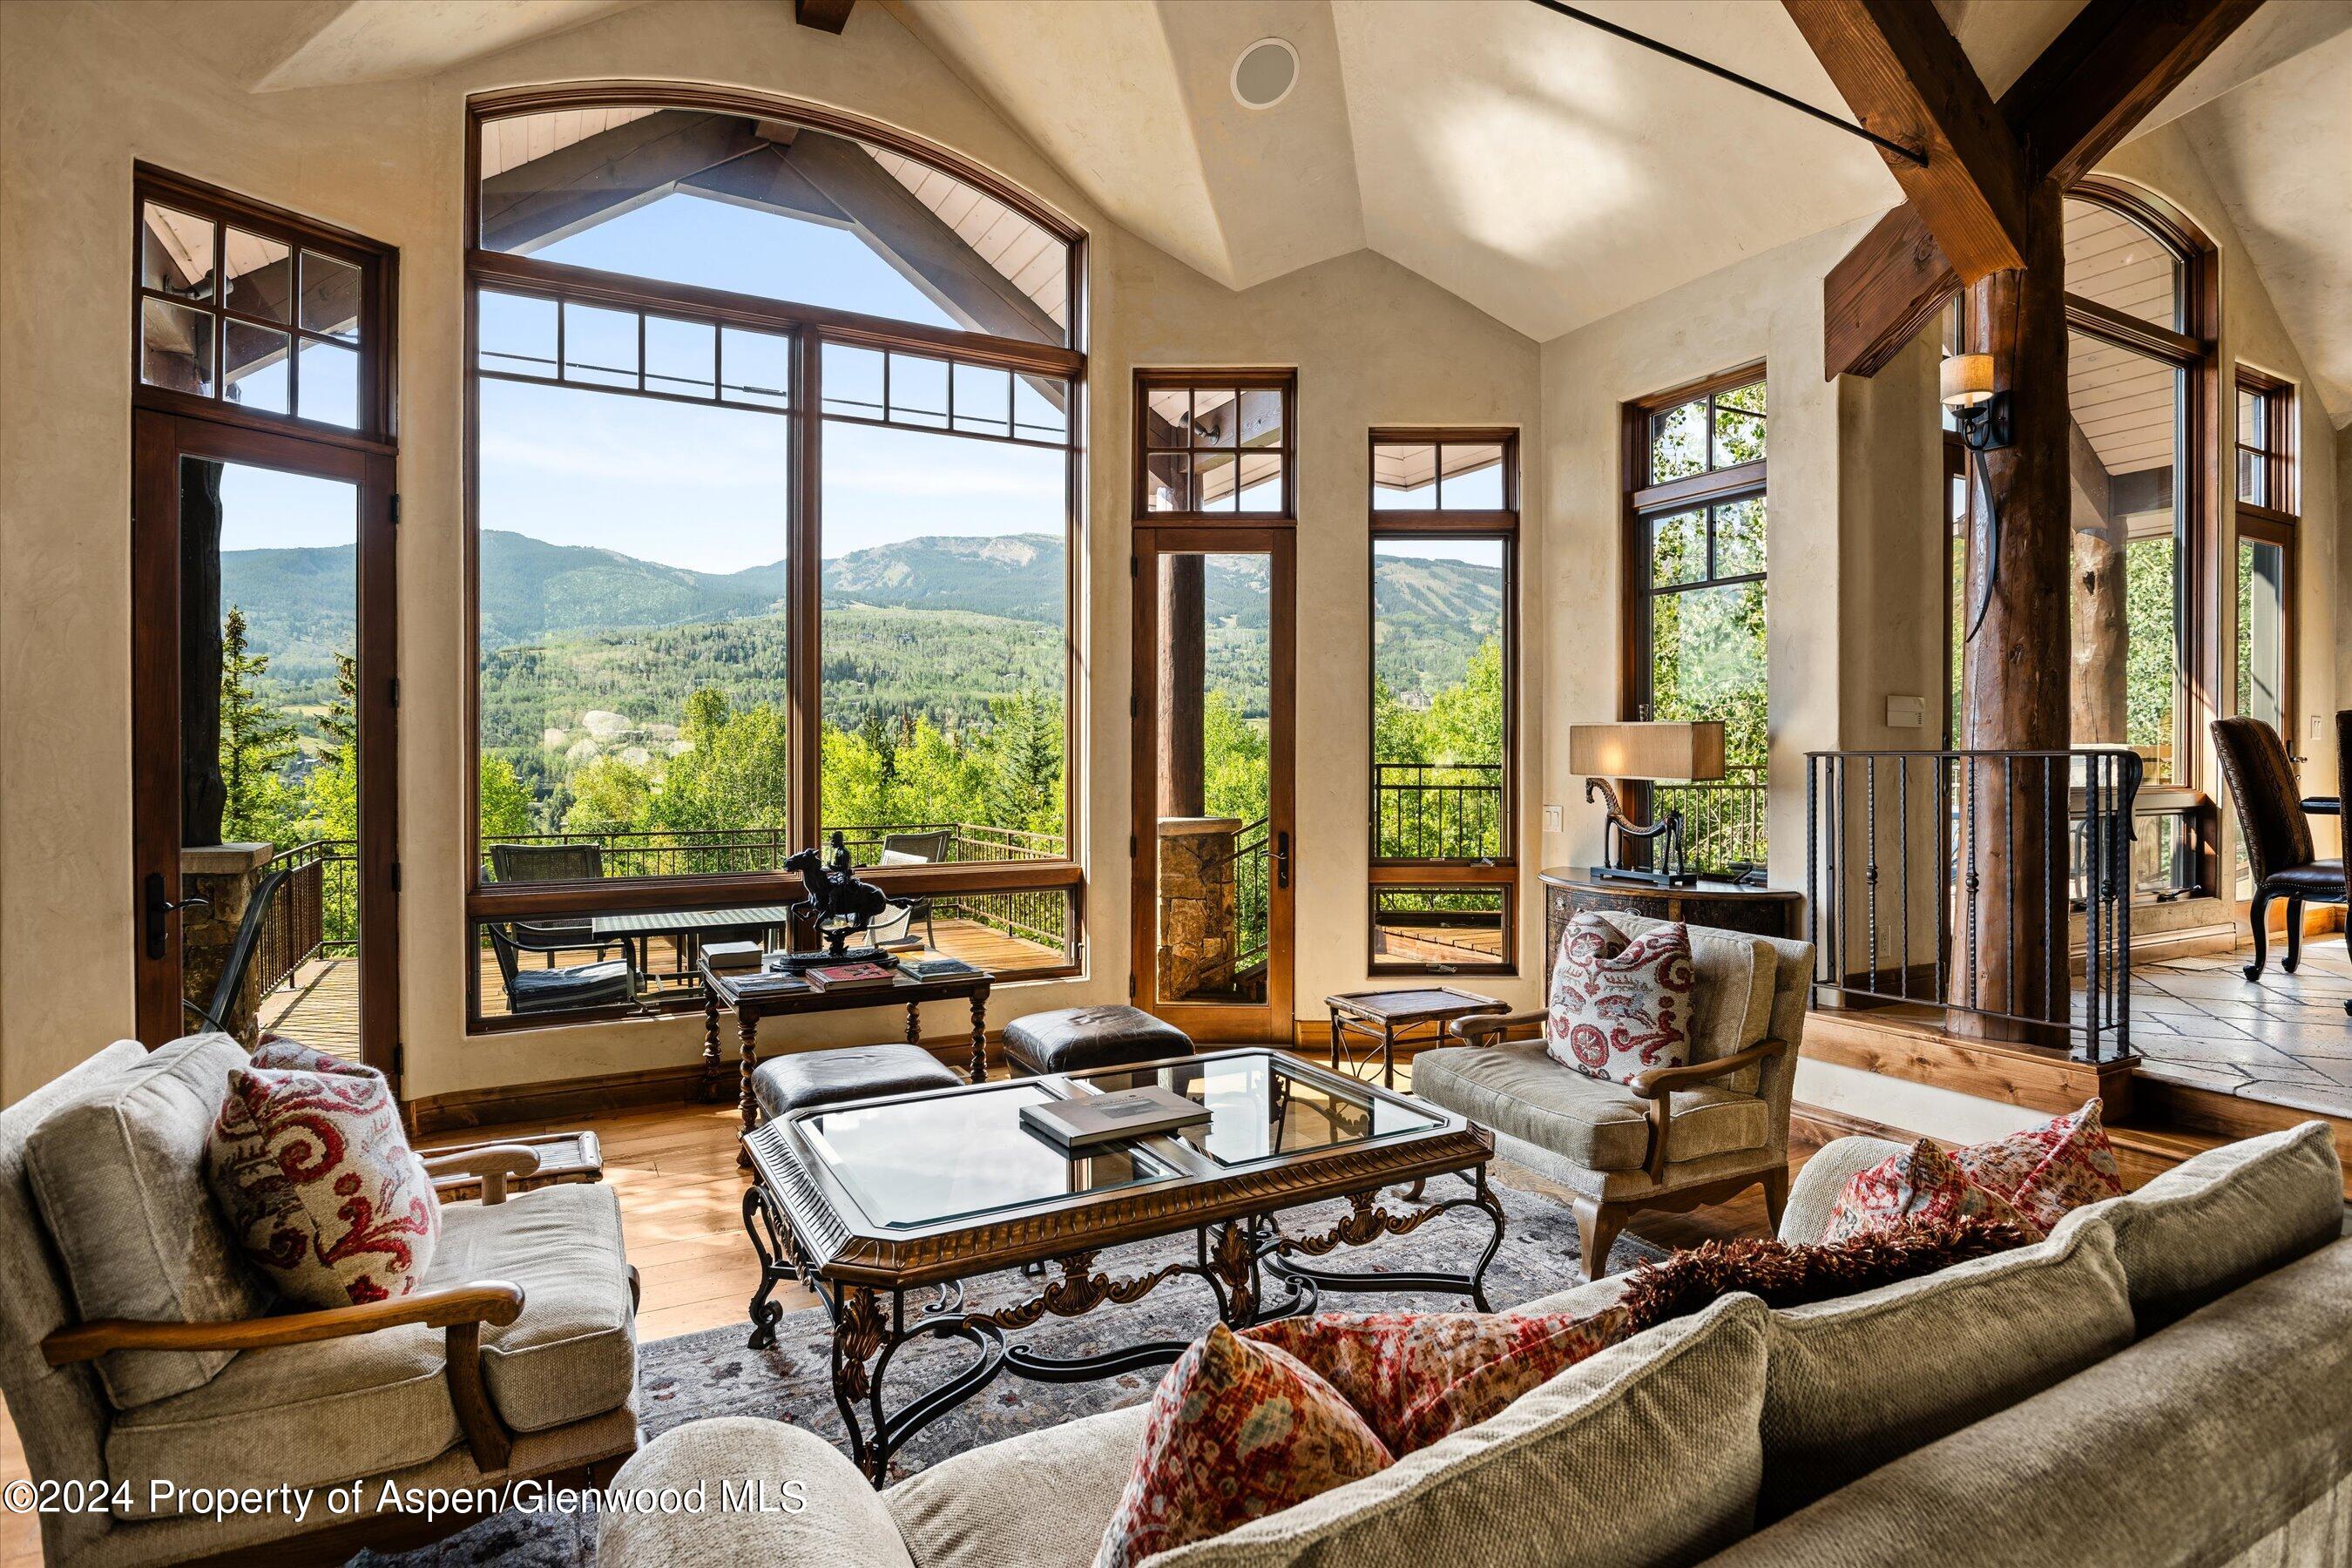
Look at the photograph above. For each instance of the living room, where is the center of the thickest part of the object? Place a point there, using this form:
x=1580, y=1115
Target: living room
x=912, y=725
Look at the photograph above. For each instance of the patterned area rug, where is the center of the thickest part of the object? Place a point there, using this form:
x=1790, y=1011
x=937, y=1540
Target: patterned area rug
x=711, y=1374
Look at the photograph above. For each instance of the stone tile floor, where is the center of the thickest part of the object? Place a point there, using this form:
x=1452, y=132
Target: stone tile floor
x=2284, y=1039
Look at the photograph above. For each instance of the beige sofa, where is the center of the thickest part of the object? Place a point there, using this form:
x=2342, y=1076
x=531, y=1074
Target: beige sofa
x=2167, y=1379
x=517, y=1357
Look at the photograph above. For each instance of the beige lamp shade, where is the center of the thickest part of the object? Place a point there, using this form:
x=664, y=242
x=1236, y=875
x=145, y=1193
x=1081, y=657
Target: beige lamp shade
x=1965, y=380
x=1656, y=750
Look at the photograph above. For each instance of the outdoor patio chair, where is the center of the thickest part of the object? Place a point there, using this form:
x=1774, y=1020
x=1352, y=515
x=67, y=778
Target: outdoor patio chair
x=915, y=849
x=551, y=863
x=596, y=984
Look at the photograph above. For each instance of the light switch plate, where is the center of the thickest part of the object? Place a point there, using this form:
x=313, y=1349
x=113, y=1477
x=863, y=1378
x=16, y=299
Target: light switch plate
x=1907, y=712
x=1552, y=819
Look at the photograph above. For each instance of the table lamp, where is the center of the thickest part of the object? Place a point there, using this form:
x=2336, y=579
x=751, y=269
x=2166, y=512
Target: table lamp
x=1679, y=752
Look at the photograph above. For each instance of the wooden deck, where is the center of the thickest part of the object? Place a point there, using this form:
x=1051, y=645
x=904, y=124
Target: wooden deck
x=1437, y=945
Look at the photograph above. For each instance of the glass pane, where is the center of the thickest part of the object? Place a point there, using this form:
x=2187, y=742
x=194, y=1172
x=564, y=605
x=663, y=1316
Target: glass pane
x=516, y=333
x=2252, y=430
x=1740, y=538
x=2261, y=633
x=853, y=380
x=1168, y=482
x=569, y=185
x=1261, y=482
x=634, y=671
x=1260, y=1106
x=175, y=253
x=681, y=357
x=2127, y=680
x=1677, y=443
x=2253, y=471
x=254, y=375
x=1678, y=548
x=1217, y=416
x=1216, y=482
x=329, y=388
x=175, y=347
x=755, y=368
x=260, y=275
x=919, y=391
x=331, y=296
x=2113, y=260
x=1041, y=408
x=945, y=645
x=549, y=966
x=1739, y=426
x=1439, y=694
x=1210, y=862
x=1168, y=417
x=1707, y=662
x=1004, y=933
x=983, y=400
x=600, y=347
x=1438, y=927
x=1473, y=480
x=1261, y=417
x=1404, y=478
x=276, y=761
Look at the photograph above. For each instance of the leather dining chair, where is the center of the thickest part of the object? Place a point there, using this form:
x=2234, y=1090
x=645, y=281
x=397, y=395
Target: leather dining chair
x=2277, y=833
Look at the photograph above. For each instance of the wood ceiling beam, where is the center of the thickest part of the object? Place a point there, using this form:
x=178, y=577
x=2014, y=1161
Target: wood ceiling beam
x=1904, y=77
x=598, y=177
x=2078, y=101
x=824, y=16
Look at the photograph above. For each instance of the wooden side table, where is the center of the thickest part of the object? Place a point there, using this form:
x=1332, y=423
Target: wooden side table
x=1383, y=1015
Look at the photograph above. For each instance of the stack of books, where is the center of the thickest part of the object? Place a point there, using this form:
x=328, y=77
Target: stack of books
x=1096, y=1118
x=936, y=967
x=853, y=976
x=732, y=955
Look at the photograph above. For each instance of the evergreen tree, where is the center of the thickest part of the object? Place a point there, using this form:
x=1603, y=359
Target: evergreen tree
x=255, y=740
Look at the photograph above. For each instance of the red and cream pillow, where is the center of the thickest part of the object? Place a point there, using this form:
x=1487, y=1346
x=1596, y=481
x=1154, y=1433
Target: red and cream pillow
x=1237, y=1430
x=320, y=1189
x=2031, y=1179
x=1618, y=1008
x=1416, y=1377
x=282, y=1053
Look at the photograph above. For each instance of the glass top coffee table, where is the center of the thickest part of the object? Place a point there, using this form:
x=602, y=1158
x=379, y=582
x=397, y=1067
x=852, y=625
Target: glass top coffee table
x=870, y=1201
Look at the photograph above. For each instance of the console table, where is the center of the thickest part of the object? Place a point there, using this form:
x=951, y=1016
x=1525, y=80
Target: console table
x=1571, y=891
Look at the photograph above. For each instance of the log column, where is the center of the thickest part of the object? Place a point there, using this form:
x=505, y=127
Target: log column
x=2017, y=660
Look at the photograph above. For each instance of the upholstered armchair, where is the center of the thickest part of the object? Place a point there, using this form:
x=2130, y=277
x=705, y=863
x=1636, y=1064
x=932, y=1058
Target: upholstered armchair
x=2277, y=833
x=514, y=1359
x=1674, y=1137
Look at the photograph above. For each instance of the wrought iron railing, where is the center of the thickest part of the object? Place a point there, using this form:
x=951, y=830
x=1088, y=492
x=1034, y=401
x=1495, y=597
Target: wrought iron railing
x=1434, y=811
x=1722, y=820
x=1919, y=875
x=316, y=912
x=1253, y=862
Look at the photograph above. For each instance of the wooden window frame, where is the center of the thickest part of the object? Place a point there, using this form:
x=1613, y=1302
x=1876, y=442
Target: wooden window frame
x=2277, y=456
x=1247, y=378
x=1500, y=872
x=810, y=326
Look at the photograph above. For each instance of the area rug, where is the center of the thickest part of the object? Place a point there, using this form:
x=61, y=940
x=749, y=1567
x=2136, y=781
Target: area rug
x=694, y=1376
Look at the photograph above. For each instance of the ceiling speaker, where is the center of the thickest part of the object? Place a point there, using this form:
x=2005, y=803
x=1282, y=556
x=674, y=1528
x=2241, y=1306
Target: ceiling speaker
x=1265, y=73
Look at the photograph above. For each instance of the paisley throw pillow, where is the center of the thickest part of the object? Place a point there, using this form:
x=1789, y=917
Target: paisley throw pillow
x=1618, y=1008
x=2048, y=1170
x=282, y=1053
x=321, y=1191
x=1921, y=1184
x=1237, y=1430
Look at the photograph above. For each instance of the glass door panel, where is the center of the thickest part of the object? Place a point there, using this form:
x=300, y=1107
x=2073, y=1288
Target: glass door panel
x=2262, y=651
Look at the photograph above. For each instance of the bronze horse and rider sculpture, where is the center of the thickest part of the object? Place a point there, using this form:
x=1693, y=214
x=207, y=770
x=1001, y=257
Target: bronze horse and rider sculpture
x=838, y=905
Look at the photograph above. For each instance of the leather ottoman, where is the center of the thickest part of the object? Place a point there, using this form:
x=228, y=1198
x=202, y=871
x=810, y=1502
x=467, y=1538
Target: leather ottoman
x=796, y=1082
x=1079, y=1039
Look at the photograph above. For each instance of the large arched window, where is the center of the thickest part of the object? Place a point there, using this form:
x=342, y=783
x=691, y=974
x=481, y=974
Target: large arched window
x=2139, y=375
x=774, y=502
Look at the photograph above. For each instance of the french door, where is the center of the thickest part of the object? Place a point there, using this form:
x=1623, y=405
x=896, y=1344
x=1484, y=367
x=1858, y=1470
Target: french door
x=263, y=730
x=1213, y=862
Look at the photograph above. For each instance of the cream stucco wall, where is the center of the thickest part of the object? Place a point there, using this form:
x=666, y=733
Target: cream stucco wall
x=87, y=89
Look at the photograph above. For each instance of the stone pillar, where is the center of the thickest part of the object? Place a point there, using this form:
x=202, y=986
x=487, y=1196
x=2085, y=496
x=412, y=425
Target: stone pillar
x=227, y=874
x=1197, y=915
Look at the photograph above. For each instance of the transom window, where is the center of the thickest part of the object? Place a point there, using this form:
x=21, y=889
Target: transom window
x=1695, y=600
x=2265, y=443
x=1214, y=448
x=774, y=519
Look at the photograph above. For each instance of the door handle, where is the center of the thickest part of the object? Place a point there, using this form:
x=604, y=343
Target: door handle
x=160, y=909
x=1282, y=859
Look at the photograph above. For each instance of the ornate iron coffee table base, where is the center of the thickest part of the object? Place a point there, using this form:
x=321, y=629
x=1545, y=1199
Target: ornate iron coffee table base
x=1235, y=1258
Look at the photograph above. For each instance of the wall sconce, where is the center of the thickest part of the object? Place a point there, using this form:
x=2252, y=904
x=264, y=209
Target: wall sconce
x=1966, y=387
x=1644, y=751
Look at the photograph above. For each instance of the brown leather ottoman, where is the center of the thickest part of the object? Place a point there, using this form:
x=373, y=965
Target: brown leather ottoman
x=795, y=1082
x=1079, y=1039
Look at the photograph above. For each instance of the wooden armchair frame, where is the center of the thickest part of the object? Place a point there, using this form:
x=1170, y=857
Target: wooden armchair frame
x=460, y=1309
x=1598, y=1221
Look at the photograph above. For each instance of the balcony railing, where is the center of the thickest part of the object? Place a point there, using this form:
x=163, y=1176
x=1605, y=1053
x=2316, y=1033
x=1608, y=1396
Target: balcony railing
x=315, y=914
x=1723, y=819
x=1437, y=811
x=1912, y=878
x=1253, y=862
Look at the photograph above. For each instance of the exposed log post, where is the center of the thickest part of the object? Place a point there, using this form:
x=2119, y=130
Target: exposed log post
x=203, y=794
x=1183, y=681
x=2100, y=618
x=2017, y=660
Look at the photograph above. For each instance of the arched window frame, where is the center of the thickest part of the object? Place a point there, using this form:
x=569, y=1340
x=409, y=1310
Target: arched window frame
x=812, y=327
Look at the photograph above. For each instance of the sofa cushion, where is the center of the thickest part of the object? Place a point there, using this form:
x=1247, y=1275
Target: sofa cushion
x=119, y=1172
x=1646, y=1452
x=2212, y=1222
x=306, y=1415
x=571, y=1353
x=1051, y=1490
x=1617, y=1008
x=1518, y=1090
x=1857, y=1382
x=320, y=1188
